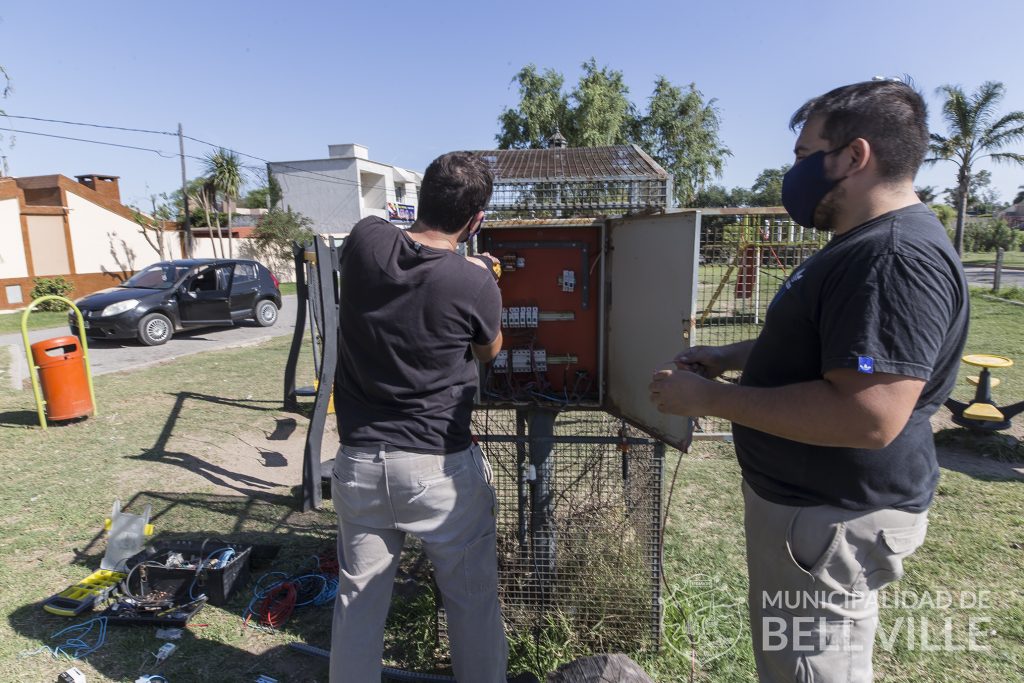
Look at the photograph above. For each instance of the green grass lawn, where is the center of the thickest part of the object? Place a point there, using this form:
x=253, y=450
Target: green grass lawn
x=191, y=438
x=1011, y=259
x=37, y=320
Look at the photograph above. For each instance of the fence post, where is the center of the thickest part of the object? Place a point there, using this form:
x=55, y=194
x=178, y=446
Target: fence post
x=997, y=278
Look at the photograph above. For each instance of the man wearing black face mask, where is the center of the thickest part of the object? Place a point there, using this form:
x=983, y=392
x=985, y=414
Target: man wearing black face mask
x=413, y=315
x=831, y=418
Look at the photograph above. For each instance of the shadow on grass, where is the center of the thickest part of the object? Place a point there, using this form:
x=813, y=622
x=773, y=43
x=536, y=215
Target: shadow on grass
x=986, y=457
x=244, y=484
x=19, y=418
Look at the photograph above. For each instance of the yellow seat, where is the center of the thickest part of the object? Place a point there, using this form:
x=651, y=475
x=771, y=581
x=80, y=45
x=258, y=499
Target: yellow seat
x=985, y=360
x=986, y=412
x=992, y=382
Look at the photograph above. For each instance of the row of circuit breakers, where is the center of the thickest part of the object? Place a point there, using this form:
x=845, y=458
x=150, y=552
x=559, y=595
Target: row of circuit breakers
x=550, y=320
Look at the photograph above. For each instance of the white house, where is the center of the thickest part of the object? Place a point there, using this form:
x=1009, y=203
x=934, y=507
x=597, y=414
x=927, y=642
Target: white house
x=335, y=193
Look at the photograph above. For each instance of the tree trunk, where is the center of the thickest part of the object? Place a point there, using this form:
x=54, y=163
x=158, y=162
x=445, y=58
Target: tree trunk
x=961, y=210
x=231, y=239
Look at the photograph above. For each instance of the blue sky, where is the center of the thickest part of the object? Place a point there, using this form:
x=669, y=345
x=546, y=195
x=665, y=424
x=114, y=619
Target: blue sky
x=411, y=80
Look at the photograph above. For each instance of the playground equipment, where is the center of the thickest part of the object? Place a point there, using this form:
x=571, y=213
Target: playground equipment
x=983, y=414
x=59, y=368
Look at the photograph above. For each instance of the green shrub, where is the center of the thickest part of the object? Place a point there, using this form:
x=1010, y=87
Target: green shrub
x=45, y=286
x=990, y=235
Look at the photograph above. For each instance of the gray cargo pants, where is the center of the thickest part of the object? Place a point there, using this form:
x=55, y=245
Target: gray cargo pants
x=814, y=576
x=447, y=501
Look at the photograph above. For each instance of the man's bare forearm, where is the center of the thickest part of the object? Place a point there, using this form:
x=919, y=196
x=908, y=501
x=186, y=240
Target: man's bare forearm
x=809, y=412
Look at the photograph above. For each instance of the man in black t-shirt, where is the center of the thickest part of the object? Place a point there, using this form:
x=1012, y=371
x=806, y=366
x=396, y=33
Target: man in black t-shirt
x=413, y=316
x=831, y=418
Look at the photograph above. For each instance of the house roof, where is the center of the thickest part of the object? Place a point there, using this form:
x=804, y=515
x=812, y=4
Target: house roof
x=619, y=162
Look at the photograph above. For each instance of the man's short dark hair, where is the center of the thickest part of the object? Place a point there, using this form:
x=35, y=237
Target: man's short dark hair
x=455, y=186
x=890, y=115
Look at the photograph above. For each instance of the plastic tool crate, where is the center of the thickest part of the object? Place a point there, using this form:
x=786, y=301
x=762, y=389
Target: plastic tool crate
x=175, y=566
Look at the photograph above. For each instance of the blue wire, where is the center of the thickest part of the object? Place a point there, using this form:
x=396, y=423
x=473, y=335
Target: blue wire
x=76, y=647
x=229, y=552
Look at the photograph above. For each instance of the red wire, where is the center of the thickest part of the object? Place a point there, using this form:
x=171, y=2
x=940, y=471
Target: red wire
x=278, y=605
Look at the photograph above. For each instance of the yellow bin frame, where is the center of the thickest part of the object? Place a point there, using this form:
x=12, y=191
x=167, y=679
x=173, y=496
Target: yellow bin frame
x=33, y=370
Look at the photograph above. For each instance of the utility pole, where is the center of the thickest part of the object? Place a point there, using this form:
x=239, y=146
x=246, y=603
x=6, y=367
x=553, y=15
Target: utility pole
x=184, y=195
x=4, y=171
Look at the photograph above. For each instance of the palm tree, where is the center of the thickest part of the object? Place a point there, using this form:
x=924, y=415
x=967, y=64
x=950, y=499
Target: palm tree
x=225, y=172
x=976, y=132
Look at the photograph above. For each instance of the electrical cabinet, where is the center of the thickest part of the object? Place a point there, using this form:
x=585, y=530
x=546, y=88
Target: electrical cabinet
x=591, y=308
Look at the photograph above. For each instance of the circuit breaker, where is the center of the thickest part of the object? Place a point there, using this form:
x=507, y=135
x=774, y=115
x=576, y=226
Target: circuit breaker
x=590, y=309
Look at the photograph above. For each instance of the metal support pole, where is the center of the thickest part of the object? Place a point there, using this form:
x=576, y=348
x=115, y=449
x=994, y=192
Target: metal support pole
x=997, y=277
x=187, y=222
x=541, y=423
x=301, y=302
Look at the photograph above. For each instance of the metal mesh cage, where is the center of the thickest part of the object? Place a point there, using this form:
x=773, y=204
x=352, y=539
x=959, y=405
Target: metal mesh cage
x=745, y=256
x=579, y=525
x=587, y=196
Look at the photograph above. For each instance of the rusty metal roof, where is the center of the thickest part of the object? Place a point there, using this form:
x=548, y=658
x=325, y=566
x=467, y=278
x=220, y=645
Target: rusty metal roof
x=620, y=162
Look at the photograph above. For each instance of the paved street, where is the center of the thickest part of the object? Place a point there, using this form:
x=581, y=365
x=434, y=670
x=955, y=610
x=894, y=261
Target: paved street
x=108, y=356
x=982, y=276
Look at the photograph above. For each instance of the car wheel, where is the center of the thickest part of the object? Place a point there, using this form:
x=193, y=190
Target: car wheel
x=265, y=313
x=155, y=329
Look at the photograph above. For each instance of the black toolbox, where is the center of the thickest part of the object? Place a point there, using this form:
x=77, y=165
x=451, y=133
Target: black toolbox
x=198, y=566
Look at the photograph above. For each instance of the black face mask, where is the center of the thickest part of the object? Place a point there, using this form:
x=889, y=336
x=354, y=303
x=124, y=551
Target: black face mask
x=805, y=185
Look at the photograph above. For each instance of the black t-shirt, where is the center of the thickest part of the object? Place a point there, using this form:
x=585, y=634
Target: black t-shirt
x=408, y=312
x=888, y=296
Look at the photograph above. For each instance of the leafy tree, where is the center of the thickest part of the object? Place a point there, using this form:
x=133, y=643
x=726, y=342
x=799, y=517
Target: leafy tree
x=718, y=196
x=224, y=169
x=274, y=235
x=976, y=132
x=265, y=196
x=603, y=114
x=944, y=213
x=926, y=194
x=679, y=129
x=767, y=187
x=543, y=109
x=981, y=196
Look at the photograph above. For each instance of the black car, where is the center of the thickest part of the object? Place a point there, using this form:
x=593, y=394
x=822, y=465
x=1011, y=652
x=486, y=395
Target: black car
x=170, y=296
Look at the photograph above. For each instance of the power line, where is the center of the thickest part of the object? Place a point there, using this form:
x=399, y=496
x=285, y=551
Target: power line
x=91, y=125
x=166, y=155
x=305, y=173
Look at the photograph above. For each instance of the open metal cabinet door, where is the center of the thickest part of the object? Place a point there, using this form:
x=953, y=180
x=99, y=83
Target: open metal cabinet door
x=651, y=280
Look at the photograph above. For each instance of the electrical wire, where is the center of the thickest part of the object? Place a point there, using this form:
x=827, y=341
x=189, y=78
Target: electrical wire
x=166, y=155
x=305, y=173
x=91, y=125
x=76, y=646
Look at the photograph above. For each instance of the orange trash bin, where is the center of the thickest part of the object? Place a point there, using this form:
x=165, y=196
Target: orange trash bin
x=62, y=375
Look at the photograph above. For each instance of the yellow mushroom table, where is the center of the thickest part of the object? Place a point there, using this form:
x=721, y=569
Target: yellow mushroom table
x=983, y=414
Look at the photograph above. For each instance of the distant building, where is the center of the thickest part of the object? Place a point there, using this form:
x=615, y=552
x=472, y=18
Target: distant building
x=52, y=225
x=1014, y=215
x=336, y=192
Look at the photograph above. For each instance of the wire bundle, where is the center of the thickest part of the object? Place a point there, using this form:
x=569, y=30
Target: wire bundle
x=274, y=601
x=77, y=646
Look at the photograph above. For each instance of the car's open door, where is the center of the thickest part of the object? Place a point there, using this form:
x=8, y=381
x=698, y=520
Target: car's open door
x=652, y=297
x=204, y=296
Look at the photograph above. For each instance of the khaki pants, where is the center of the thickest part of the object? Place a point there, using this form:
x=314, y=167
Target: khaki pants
x=814, y=576
x=449, y=503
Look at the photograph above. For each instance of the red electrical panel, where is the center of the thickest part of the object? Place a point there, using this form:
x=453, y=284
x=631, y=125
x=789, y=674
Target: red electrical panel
x=551, y=315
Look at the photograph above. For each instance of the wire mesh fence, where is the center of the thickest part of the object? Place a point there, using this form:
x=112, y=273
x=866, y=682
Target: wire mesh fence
x=576, y=196
x=744, y=258
x=579, y=527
